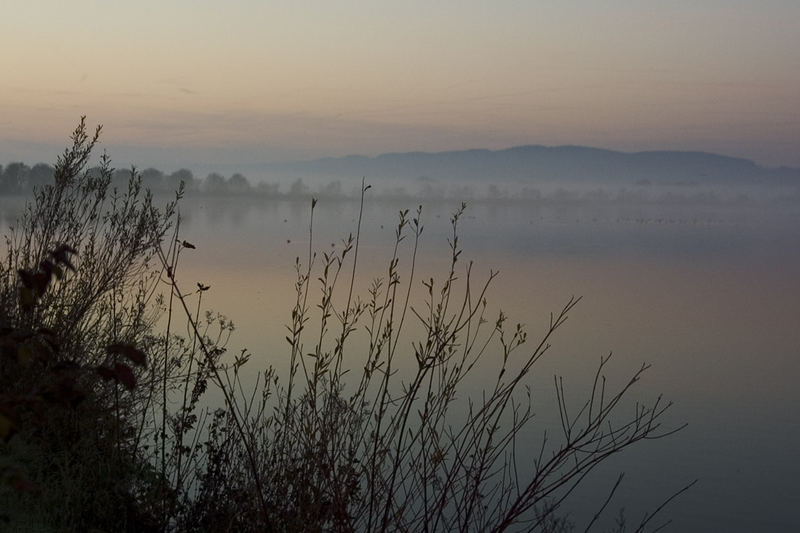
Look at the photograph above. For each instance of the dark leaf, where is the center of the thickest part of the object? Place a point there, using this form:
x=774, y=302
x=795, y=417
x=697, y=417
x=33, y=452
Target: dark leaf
x=106, y=373
x=46, y=267
x=35, y=281
x=187, y=244
x=61, y=255
x=125, y=375
x=129, y=351
x=65, y=391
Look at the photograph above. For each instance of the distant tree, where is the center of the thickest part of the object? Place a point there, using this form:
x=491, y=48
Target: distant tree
x=174, y=180
x=331, y=190
x=120, y=178
x=299, y=189
x=493, y=192
x=238, y=184
x=14, y=177
x=40, y=175
x=215, y=184
x=152, y=179
x=94, y=172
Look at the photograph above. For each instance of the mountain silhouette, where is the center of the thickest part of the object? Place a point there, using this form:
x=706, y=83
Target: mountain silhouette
x=536, y=163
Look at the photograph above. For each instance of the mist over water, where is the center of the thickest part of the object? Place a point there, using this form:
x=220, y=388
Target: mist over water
x=705, y=293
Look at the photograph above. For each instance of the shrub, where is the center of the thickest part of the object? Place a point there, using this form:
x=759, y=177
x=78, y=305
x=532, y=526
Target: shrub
x=357, y=446
x=76, y=297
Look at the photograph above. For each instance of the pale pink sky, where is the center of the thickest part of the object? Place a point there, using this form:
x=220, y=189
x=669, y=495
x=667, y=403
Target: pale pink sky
x=185, y=83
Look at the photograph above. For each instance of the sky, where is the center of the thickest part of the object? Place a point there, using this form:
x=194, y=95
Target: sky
x=200, y=83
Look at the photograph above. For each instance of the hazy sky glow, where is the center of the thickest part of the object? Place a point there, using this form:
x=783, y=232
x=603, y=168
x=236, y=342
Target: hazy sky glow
x=193, y=83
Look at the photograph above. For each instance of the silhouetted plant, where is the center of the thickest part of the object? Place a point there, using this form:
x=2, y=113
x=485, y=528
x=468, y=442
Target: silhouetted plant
x=363, y=434
x=77, y=322
x=357, y=446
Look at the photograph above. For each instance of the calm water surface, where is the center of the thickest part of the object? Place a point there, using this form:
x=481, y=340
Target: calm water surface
x=710, y=296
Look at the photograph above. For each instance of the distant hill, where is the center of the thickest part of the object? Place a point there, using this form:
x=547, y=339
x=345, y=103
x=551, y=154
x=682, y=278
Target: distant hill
x=548, y=164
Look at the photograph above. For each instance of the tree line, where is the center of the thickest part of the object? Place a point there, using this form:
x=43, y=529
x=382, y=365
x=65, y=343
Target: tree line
x=19, y=178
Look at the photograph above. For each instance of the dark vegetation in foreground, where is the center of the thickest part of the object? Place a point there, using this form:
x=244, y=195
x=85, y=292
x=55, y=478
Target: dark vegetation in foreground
x=106, y=417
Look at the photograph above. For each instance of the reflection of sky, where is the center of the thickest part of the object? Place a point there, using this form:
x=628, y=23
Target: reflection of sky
x=710, y=301
x=708, y=296
x=663, y=232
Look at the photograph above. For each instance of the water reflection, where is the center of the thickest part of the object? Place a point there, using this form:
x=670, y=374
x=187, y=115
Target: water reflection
x=707, y=295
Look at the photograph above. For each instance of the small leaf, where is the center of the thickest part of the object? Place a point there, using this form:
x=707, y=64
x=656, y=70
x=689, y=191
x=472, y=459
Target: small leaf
x=187, y=244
